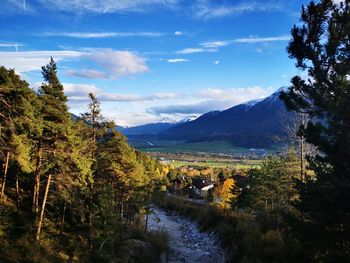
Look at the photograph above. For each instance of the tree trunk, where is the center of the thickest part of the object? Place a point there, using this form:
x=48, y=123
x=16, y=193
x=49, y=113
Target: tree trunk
x=90, y=218
x=302, y=150
x=5, y=175
x=37, y=182
x=146, y=223
x=17, y=192
x=38, y=231
x=62, y=218
x=121, y=215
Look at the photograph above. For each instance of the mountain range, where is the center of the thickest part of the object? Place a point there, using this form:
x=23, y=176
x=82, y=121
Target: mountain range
x=258, y=123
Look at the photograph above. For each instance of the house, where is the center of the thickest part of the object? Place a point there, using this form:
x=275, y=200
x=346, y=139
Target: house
x=200, y=187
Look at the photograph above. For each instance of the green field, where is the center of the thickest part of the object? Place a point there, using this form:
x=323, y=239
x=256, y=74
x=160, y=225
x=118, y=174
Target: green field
x=239, y=164
x=205, y=160
x=219, y=154
x=200, y=147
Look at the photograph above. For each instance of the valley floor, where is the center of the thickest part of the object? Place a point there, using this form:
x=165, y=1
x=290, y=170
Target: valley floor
x=187, y=243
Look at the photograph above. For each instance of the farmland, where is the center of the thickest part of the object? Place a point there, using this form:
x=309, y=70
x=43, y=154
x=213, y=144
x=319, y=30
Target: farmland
x=205, y=160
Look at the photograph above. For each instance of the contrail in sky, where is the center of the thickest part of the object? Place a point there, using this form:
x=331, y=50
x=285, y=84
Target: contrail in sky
x=24, y=6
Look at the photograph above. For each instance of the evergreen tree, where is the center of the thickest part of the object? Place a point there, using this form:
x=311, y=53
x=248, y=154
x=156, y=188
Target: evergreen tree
x=96, y=122
x=56, y=131
x=321, y=48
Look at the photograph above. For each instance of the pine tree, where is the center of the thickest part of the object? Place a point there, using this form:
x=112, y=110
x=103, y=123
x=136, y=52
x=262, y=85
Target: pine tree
x=321, y=48
x=96, y=122
x=56, y=131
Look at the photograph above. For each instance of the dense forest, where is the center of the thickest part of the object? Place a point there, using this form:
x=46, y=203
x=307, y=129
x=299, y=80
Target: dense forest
x=70, y=190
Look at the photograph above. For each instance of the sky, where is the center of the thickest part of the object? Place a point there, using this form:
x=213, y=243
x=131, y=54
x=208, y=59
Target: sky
x=152, y=60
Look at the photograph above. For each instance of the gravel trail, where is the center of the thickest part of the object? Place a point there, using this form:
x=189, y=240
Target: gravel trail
x=187, y=243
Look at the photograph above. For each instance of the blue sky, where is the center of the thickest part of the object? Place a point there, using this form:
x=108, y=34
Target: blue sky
x=153, y=60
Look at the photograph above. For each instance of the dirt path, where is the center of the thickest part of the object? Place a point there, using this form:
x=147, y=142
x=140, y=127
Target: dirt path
x=187, y=243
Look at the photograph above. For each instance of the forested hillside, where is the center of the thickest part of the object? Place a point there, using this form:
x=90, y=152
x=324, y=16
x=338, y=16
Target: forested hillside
x=70, y=190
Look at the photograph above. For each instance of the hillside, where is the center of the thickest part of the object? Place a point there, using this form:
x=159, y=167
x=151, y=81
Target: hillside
x=252, y=124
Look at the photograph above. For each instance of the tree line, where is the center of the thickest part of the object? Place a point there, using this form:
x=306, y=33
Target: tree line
x=70, y=190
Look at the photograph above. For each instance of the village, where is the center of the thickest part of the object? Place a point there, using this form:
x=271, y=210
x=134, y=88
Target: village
x=204, y=184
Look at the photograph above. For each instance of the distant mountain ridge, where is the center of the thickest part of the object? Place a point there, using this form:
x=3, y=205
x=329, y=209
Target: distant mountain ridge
x=256, y=123
x=152, y=128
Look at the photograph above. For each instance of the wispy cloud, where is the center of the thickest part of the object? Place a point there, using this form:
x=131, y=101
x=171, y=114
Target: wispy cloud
x=101, y=34
x=195, y=50
x=261, y=39
x=215, y=44
x=248, y=40
x=177, y=60
x=12, y=45
x=178, y=33
x=107, y=6
x=9, y=7
x=207, y=9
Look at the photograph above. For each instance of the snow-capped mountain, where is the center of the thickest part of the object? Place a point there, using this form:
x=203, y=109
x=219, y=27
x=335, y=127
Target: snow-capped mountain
x=256, y=123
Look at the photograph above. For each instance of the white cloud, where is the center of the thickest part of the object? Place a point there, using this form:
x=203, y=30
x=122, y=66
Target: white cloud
x=178, y=33
x=102, y=34
x=107, y=6
x=177, y=60
x=116, y=64
x=214, y=99
x=195, y=50
x=205, y=9
x=86, y=73
x=216, y=62
x=166, y=95
x=79, y=93
x=33, y=60
x=235, y=95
